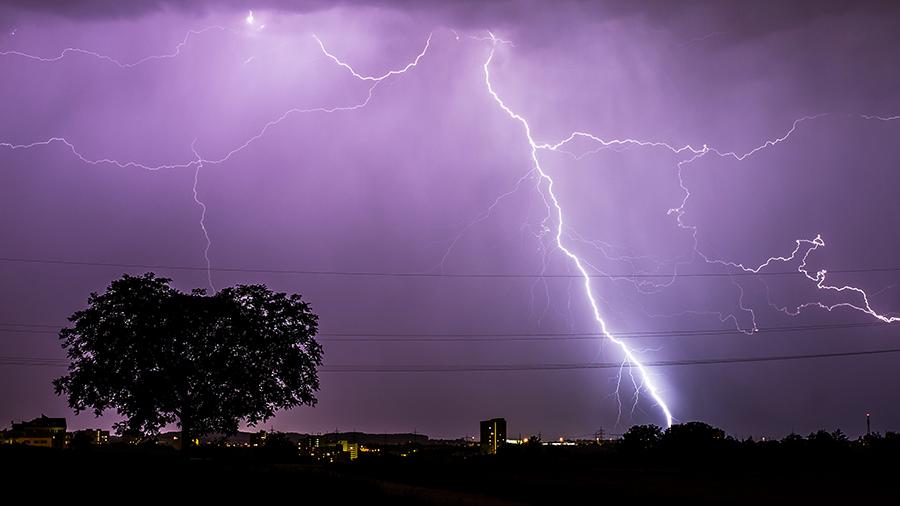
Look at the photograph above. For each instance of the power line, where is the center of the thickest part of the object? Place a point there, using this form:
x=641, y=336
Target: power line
x=516, y=336
x=388, y=274
x=50, y=362
x=46, y=325
x=670, y=331
x=583, y=335
x=561, y=367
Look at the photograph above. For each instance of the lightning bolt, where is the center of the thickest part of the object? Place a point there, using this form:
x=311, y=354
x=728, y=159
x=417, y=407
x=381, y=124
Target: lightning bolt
x=810, y=244
x=202, y=206
x=198, y=161
x=382, y=77
x=554, y=224
x=679, y=212
x=130, y=164
x=646, y=380
x=695, y=153
x=122, y=65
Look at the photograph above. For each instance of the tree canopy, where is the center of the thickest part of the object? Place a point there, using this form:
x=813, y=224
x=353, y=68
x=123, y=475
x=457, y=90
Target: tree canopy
x=159, y=356
x=642, y=437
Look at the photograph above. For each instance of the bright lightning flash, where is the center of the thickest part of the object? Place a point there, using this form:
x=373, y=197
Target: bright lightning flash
x=646, y=380
x=545, y=185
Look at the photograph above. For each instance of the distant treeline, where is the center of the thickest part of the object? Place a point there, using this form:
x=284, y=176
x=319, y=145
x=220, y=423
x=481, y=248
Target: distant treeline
x=703, y=445
x=699, y=435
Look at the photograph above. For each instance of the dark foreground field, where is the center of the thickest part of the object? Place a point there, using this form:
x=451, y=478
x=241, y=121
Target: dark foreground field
x=446, y=476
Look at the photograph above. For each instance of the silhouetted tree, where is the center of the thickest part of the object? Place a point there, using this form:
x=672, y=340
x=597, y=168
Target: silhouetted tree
x=534, y=441
x=642, y=437
x=871, y=440
x=693, y=436
x=279, y=445
x=890, y=442
x=159, y=356
x=279, y=441
x=81, y=440
x=824, y=440
x=793, y=437
x=793, y=442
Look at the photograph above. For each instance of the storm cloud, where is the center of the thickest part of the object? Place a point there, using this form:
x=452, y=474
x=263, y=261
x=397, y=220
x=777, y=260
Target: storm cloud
x=425, y=173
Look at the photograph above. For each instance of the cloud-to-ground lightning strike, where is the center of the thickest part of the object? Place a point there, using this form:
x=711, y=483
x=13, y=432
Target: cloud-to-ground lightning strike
x=646, y=380
x=679, y=212
x=554, y=224
x=202, y=206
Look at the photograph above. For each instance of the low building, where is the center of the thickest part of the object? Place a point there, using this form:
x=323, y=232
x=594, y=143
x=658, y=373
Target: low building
x=331, y=453
x=259, y=439
x=94, y=437
x=44, y=432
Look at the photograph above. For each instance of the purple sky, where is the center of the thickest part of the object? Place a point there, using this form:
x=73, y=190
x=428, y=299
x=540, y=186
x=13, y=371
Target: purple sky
x=432, y=175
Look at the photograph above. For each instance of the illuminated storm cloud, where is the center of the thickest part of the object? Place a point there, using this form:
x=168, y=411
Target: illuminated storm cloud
x=620, y=175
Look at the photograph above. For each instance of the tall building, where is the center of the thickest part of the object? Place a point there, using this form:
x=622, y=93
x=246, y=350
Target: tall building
x=351, y=448
x=493, y=434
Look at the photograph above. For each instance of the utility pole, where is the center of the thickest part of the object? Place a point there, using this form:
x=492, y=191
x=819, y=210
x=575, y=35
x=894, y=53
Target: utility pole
x=868, y=425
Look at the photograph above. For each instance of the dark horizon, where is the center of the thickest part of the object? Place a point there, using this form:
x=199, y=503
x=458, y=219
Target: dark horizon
x=710, y=160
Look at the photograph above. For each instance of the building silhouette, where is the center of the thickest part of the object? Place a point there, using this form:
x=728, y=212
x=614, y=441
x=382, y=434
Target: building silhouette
x=351, y=448
x=94, y=437
x=493, y=434
x=43, y=431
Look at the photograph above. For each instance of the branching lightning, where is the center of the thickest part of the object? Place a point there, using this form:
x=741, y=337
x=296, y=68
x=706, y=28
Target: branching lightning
x=553, y=225
x=646, y=380
x=123, y=65
x=375, y=80
x=198, y=162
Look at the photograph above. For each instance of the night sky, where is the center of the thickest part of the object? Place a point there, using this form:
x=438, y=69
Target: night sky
x=691, y=142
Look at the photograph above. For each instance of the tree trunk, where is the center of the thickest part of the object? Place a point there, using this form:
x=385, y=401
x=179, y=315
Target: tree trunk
x=186, y=436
